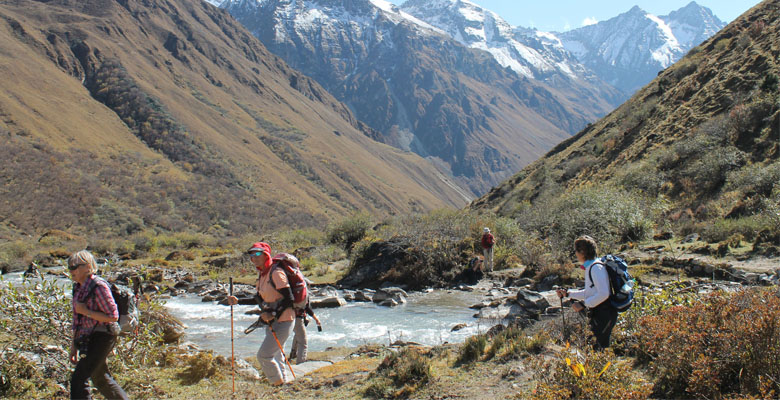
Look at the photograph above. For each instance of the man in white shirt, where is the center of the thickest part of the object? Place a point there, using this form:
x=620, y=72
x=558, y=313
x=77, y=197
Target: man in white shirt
x=595, y=296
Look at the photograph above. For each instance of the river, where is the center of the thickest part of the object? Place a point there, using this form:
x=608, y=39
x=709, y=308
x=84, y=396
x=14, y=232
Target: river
x=426, y=318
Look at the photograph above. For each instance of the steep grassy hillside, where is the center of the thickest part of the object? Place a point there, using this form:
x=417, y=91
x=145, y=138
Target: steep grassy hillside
x=701, y=142
x=124, y=115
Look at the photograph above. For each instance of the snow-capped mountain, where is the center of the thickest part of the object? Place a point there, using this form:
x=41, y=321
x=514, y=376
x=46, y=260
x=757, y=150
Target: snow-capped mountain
x=531, y=53
x=528, y=52
x=420, y=88
x=628, y=50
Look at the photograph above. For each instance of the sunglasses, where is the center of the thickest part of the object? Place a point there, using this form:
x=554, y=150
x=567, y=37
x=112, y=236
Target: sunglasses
x=73, y=267
x=255, y=253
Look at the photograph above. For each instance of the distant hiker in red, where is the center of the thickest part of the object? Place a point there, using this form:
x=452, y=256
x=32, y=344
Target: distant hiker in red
x=274, y=289
x=487, y=249
x=95, y=330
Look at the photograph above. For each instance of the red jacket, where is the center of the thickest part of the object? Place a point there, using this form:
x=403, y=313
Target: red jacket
x=487, y=240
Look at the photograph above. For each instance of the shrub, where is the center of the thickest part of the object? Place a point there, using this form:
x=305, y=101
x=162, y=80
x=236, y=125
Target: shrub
x=708, y=172
x=400, y=374
x=199, y=366
x=472, y=349
x=770, y=83
x=564, y=272
x=647, y=303
x=611, y=215
x=727, y=344
x=748, y=227
x=41, y=318
x=755, y=178
x=573, y=374
x=642, y=177
x=298, y=238
x=513, y=343
x=350, y=230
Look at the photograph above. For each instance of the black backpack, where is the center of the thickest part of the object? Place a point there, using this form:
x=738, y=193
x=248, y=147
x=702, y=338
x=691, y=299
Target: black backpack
x=621, y=285
x=126, y=304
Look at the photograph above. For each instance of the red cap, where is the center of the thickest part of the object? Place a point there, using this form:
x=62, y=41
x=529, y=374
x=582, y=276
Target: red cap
x=264, y=248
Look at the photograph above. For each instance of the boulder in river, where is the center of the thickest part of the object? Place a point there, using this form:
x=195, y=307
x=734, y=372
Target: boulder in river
x=458, y=327
x=328, y=302
x=389, y=303
x=363, y=295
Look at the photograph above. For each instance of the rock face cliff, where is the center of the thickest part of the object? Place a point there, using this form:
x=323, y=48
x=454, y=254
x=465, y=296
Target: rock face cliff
x=418, y=87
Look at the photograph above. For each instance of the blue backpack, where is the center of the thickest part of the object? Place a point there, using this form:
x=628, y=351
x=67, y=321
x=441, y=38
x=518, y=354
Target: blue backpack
x=621, y=285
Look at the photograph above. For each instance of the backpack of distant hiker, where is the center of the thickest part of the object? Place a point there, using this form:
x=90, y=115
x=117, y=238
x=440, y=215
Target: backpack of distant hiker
x=289, y=264
x=126, y=304
x=621, y=285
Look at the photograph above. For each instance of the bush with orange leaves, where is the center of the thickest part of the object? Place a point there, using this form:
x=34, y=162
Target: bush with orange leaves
x=587, y=374
x=727, y=345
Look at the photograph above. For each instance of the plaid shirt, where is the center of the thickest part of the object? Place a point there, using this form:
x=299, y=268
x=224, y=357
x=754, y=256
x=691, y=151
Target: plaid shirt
x=101, y=300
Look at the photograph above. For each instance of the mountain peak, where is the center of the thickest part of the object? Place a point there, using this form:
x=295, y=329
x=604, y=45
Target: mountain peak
x=635, y=10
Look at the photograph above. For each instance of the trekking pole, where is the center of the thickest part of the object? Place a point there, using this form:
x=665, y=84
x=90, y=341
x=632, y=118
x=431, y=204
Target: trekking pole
x=273, y=332
x=232, y=353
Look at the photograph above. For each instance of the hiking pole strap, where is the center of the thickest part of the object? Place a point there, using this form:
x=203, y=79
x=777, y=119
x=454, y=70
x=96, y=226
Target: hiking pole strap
x=254, y=325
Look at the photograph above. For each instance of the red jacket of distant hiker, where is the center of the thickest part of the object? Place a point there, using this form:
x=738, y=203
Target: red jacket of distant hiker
x=487, y=240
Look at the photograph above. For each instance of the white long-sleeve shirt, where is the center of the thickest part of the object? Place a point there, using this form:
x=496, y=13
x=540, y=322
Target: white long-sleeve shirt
x=596, y=291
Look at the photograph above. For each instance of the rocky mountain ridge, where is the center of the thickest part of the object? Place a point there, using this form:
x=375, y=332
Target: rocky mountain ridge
x=123, y=116
x=629, y=50
x=418, y=88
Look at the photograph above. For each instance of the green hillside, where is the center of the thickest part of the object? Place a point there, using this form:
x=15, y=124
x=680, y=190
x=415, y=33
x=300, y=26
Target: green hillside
x=694, y=151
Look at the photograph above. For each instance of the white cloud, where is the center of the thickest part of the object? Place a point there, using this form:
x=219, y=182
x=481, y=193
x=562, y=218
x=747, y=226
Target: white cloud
x=589, y=21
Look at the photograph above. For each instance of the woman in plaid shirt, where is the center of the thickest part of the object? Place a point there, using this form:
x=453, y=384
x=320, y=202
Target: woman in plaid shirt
x=95, y=328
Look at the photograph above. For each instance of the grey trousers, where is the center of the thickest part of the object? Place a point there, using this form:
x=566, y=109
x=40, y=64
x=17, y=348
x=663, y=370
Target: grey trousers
x=300, y=343
x=488, y=263
x=270, y=356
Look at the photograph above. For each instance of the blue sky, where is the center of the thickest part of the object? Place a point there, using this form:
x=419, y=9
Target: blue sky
x=562, y=15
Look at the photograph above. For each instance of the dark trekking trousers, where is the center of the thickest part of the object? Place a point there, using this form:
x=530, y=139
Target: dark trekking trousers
x=602, y=319
x=93, y=365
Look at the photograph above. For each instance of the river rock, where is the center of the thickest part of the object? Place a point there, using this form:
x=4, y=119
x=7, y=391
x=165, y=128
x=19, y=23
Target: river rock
x=532, y=301
x=181, y=285
x=395, y=290
x=503, y=311
x=548, y=283
x=389, y=303
x=362, y=295
x=395, y=293
x=518, y=282
x=246, y=370
x=480, y=305
x=458, y=327
x=328, y=302
x=150, y=288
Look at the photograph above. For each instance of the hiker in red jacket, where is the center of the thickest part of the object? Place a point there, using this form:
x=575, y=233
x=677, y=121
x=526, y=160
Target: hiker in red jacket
x=487, y=249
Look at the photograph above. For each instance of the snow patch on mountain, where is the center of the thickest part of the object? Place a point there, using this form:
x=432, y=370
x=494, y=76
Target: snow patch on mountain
x=666, y=55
